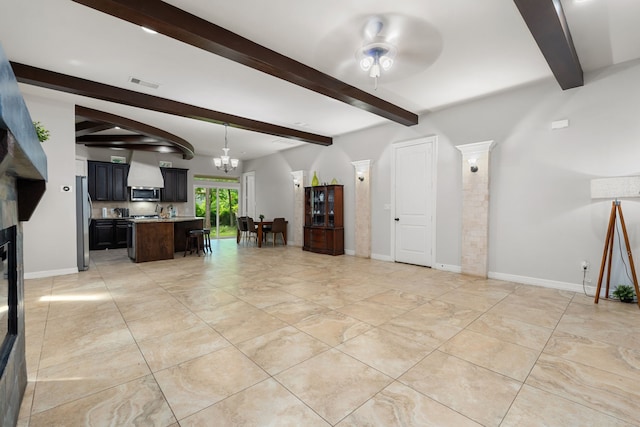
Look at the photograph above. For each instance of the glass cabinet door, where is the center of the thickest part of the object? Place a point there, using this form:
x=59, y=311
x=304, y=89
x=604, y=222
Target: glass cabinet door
x=330, y=206
x=319, y=201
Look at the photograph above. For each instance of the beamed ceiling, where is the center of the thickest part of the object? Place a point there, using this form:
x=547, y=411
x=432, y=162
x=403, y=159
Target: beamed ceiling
x=275, y=51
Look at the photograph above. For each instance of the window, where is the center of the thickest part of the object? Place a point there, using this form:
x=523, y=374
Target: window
x=216, y=199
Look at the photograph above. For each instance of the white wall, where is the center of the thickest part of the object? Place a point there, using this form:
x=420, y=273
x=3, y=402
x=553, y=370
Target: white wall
x=542, y=220
x=50, y=234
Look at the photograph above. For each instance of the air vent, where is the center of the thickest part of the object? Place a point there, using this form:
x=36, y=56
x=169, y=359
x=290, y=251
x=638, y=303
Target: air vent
x=137, y=81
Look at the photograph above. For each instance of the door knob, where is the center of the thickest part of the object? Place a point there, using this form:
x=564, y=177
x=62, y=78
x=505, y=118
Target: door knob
x=397, y=219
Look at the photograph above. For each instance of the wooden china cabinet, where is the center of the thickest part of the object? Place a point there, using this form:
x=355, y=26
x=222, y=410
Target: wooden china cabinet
x=323, y=219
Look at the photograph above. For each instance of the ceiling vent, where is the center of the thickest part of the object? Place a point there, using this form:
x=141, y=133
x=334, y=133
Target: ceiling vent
x=140, y=82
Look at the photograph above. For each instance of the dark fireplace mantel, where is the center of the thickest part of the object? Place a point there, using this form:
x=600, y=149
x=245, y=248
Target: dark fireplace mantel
x=21, y=154
x=23, y=175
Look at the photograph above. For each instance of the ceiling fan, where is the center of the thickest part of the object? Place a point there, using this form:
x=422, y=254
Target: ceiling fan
x=388, y=46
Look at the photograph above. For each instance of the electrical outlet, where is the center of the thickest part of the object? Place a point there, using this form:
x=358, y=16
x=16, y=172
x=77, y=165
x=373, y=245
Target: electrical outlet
x=584, y=265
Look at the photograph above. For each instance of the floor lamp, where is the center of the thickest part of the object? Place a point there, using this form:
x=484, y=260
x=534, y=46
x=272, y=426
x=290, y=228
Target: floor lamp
x=615, y=188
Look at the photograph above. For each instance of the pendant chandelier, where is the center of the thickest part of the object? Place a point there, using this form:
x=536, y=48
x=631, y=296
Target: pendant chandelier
x=224, y=162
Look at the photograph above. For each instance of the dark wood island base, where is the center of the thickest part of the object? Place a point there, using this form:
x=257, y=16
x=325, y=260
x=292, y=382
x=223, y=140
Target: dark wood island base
x=158, y=239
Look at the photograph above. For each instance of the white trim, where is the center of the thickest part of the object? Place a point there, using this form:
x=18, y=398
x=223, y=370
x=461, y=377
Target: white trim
x=563, y=286
x=447, y=267
x=475, y=149
x=50, y=273
x=351, y=252
x=381, y=257
x=432, y=139
x=244, y=209
x=81, y=166
x=212, y=184
x=362, y=165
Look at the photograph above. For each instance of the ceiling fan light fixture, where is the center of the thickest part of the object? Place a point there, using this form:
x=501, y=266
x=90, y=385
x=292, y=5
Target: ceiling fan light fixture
x=375, y=57
x=375, y=71
x=366, y=62
x=386, y=62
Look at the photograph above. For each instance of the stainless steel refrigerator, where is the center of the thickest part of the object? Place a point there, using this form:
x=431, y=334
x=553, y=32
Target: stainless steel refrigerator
x=83, y=220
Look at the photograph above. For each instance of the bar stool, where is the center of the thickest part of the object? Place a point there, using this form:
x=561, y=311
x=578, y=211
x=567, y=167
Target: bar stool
x=206, y=240
x=193, y=237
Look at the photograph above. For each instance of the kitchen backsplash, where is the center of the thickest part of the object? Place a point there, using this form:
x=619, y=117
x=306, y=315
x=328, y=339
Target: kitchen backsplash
x=139, y=208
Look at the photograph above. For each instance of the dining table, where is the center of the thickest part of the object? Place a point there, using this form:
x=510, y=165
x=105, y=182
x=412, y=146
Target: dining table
x=261, y=228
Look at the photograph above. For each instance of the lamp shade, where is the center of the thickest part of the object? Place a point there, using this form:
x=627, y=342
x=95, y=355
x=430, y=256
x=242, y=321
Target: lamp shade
x=615, y=187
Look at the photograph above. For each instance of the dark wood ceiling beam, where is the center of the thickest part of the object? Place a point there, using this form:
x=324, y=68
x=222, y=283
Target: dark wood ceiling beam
x=89, y=127
x=132, y=125
x=178, y=24
x=126, y=139
x=547, y=23
x=75, y=85
x=141, y=147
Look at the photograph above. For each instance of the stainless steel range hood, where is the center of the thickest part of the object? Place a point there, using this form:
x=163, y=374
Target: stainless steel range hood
x=144, y=171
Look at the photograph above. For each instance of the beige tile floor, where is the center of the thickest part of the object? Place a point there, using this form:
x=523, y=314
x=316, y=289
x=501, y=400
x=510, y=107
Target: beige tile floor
x=283, y=337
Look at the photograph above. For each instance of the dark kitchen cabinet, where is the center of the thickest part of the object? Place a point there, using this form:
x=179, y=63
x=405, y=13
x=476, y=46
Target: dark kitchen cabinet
x=120, y=173
x=99, y=180
x=323, y=219
x=101, y=234
x=175, y=185
x=120, y=233
x=108, y=181
x=108, y=234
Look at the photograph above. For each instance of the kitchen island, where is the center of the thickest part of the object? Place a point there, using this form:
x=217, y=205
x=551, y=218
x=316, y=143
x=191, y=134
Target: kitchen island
x=154, y=239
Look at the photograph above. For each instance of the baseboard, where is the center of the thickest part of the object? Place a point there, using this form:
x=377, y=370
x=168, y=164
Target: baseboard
x=50, y=273
x=447, y=267
x=381, y=257
x=349, y=252
x=563, y=286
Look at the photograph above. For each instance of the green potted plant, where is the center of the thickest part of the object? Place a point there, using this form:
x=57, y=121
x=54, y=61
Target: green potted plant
x=261, y=217
x=43, y=134
x=624, y=293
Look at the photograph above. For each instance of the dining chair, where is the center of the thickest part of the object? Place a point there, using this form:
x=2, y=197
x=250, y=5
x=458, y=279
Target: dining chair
x=242, y=227
x=252, y=229
x=279, y=226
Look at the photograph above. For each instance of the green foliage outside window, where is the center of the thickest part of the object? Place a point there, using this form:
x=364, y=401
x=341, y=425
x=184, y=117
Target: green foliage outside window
x=228, y=203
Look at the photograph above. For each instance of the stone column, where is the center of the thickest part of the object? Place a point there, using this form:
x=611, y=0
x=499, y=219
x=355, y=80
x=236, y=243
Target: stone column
x=296, y=230
x=475, y=208
x=362, y=186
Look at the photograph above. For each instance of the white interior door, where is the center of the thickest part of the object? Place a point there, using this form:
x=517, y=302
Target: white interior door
x=413, y=202
x=249, y=194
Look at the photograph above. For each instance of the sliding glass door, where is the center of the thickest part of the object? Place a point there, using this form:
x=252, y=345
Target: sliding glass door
x=217, y=202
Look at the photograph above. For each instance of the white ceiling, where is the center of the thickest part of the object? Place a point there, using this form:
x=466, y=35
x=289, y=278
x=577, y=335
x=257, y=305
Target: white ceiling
x=477, y=48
